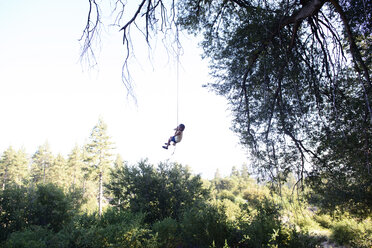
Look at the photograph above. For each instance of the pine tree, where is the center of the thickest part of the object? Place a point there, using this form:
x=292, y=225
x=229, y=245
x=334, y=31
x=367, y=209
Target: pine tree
x=115, y=181
x=217, y=174
x=42, y=161
x=244, y=172
x=58, y=172
x=13, y=167
x=75, y=165
x=234, y=172
x=99, y=157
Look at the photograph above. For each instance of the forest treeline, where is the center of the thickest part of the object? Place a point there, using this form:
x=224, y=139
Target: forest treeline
x=92, y=198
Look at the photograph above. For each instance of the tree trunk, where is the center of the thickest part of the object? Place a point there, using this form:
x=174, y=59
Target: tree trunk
x=73, y=181
x=44, y=172
x=100, y=195
x=5, y=176
x=84, y=181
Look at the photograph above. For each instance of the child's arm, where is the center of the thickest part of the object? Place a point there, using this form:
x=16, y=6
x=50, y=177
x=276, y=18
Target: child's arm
x=176, y=129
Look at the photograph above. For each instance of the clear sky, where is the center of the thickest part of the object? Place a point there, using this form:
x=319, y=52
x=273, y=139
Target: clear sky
x=46, y=94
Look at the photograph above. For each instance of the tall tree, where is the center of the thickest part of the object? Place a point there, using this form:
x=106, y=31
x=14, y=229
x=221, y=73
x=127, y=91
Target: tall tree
x=75, y=165
x=13, y=167
x=297, y=76
x=234, y=172
x=244, y=171
x=217, y=174
x=42, y=160
x=59, y=173
x=99, y=157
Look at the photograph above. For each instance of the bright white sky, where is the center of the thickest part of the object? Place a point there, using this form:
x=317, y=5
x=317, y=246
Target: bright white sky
x=47, y=95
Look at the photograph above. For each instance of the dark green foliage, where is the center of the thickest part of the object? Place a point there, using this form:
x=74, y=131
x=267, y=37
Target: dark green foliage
x=203, y=225
x=168, y=232
x=265, y=224
x=301, y=240
x=37, y=237
x=160, y=193
x=113, y=229
x=50, y=207
x=47, y=206
x=14, y=211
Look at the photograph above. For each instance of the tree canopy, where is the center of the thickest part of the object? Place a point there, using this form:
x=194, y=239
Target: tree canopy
x=296, y=75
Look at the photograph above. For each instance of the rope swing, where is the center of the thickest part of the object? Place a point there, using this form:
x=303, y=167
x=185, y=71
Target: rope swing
x=177, y=82
x=177, y=137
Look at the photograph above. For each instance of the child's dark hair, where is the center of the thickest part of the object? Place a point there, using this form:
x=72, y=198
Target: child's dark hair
x=182, y=126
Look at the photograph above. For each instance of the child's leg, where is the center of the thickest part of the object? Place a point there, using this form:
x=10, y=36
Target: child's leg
x=170, y=140
x=168, y=143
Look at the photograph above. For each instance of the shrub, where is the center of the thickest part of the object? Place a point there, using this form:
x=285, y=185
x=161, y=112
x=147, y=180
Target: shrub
x=202, y=225
x=324, y=220
x=353, y=233
x=113, y=229
x=168, y=234
x=298, y=240
x=226, y=195
x=47, y=206
x=258, y=232
x=36, y=237
x=306, y=223
x=51, y=208
x=14, y=211
x=138, y=238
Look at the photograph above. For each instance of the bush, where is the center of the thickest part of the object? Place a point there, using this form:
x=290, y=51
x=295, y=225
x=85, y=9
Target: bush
x=51, y=208
x=262, y=228
x=259, y=230
x=226, y=195
x=168, y=233
x=298, y=240
x=202, y=225
x=14, y=213
x=353, y=233
x=36, y=237
x=306, y=223
x=138, y=238
x=324, y=220
x=230, y=209
x=47, y=206
x=113, y=229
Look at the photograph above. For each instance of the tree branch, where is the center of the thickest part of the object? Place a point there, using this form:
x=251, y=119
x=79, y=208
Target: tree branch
x=357, y=57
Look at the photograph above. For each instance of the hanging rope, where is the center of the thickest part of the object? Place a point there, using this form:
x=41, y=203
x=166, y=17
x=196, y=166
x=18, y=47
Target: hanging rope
x=177, y=72
x=178, y=87
x=177, y=83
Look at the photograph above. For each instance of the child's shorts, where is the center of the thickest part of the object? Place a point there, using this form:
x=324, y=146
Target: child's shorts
x=174, y=139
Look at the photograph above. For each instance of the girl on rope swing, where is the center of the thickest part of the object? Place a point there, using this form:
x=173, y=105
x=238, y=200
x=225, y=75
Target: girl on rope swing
x=177, y=137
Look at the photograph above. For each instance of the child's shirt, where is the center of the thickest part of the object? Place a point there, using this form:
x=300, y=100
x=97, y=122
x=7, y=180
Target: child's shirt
x=178, y=136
